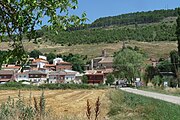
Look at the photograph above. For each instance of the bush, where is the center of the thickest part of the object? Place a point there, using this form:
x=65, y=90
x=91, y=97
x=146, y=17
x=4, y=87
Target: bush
x=84, y=79
x=20, y=86
x=71, y=86
x=20, y=110
x=16, y=86
x=110, y=79
x=157, y=80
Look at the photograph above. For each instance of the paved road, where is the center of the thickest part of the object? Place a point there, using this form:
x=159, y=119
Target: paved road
x=168, y=98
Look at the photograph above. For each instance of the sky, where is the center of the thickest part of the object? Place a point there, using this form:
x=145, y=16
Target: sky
x=103, y=8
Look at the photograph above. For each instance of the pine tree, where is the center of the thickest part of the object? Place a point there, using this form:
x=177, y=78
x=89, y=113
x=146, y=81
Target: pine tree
x=178, y=30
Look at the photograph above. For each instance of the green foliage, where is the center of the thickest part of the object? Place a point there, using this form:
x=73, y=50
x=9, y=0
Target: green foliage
x=157, y=80
x=70, y=86
x=129, y=62
x=20, y=17
x=35, y=53
x=50, y=57
x=21, y=110
x=20, y=86
x=178, y=30
x=78, y=61
x=84, y=79
x=150, y=72
x=165, y=66
x=132, y=26
x=131, y=106
x=16, y=86
x=110, y=79
x=148, y=33
x=135, y=18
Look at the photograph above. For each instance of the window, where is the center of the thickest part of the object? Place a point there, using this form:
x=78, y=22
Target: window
x=31, y=75
x=24, y=76
x=20, y=76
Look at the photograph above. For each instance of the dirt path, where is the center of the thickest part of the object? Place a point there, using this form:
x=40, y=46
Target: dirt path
x=168, y=98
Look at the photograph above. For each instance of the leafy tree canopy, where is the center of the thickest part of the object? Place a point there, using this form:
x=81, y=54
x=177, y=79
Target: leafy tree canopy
x=129, y=62
x=19, y=17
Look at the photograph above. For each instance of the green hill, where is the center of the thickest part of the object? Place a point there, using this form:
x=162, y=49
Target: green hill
x=135, y=18
x=158, y=25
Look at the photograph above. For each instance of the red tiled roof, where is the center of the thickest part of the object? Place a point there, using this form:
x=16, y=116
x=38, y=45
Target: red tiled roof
x=50, y=65
x=4, y=80
x=40, y=60
x=6, y=72
x=62, y=62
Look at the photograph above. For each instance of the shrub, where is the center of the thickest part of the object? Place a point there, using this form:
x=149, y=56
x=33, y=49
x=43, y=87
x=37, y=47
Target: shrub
x=84, y=79
x=157, y=80
x=71, y=86
x=110, y=79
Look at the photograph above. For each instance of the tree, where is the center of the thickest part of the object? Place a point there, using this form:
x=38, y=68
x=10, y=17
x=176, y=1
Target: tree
x=50, y=57
x=129, y=62
x=78, y=61
x=35, y=53
x=157, y=80
x=19, y=17
x=175, y=61
x=165, y=66
x=84, y=79
x=110, y=79
x=150, y=72
x=178, y=30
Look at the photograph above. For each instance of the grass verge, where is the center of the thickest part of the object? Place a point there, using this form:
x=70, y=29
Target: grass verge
x=168, y=91
x=129, y=106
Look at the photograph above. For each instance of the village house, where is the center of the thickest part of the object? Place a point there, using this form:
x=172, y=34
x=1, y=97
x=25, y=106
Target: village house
x=63, y=66
x=78, y=78
x=56, y=77
x=11, y=67
x=57, y=60
x=95, y=77
x=50, y=67
x=105, y=63
x=22, y=76
x=37, y=77
x=64, y=76
x=40, y=62
x=6, y=76
x=102, y=62
x=70, y=76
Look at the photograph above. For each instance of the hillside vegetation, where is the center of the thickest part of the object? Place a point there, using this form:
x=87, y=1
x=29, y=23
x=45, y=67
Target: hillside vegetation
x=158, y=25
x=135, y=18
x=152, y=49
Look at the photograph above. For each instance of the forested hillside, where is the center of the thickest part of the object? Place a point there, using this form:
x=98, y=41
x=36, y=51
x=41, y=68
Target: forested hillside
x=135, y=18
x=158, y=25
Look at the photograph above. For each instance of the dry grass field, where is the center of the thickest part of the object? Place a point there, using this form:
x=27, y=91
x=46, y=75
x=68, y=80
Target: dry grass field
x=153, y=49
x=66, y=102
